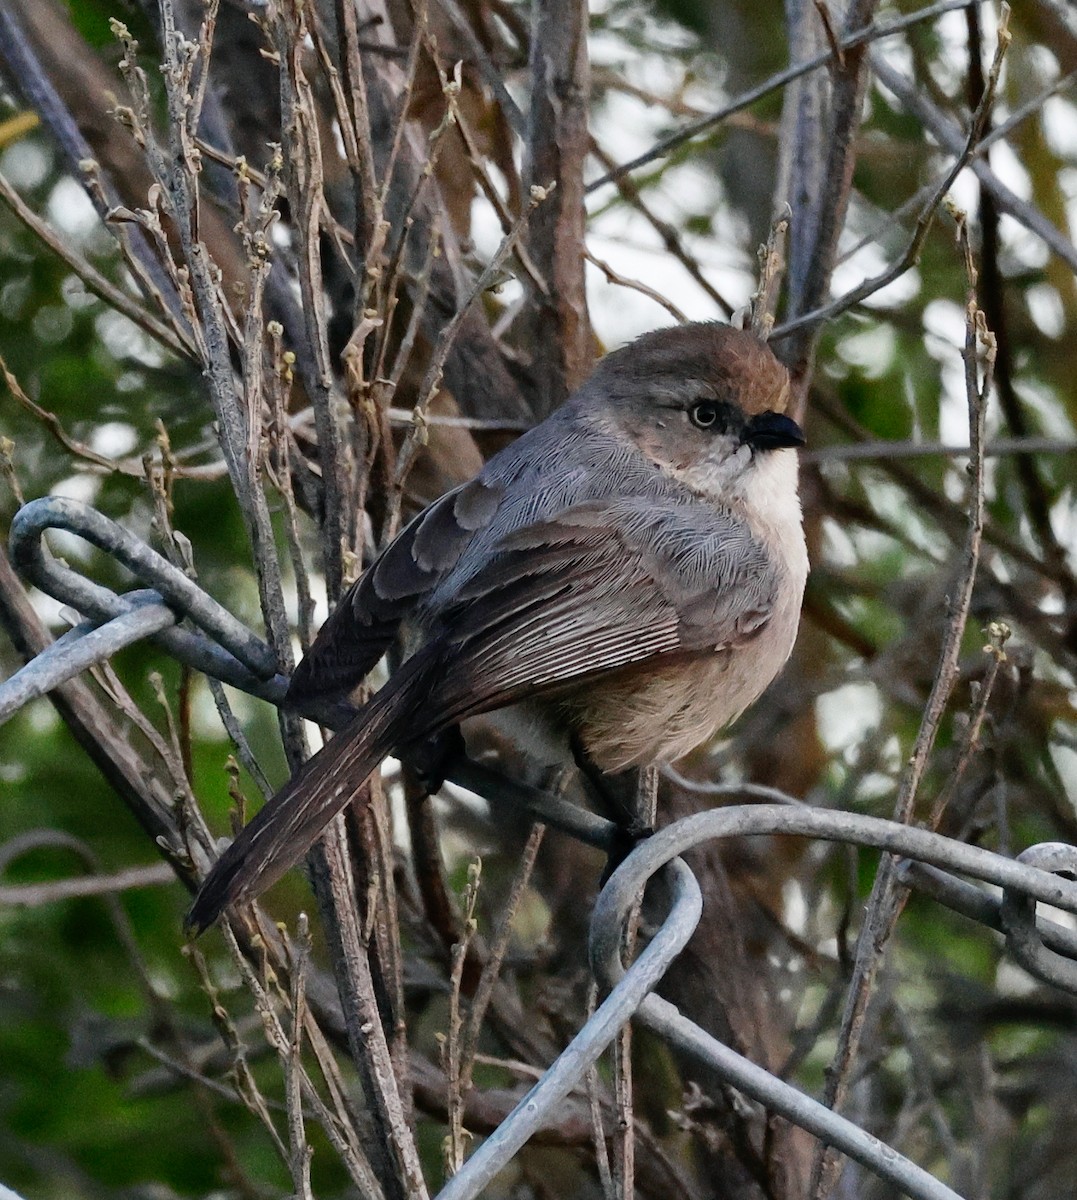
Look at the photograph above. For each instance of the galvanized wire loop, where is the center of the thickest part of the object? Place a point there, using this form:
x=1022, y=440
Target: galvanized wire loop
x=777, y=1096
x=88, y=643
x=983, y=907
x=229, y=651
x=1060, y=858
x=1020, y=880
x=833, y=825
x=1018, y=919
x=583, y=1051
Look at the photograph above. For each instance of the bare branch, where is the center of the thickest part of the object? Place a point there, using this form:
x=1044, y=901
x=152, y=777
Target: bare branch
x=557, y=148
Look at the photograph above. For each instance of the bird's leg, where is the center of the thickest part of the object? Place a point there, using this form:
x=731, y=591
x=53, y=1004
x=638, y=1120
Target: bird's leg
x=616, y=795
x=646, y=801
x=618, y=798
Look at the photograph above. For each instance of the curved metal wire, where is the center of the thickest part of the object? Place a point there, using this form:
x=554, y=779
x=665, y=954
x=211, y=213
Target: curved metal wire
x=1021, y=880
x=570, y=1067
x=226, y=649
x=978, y=905
x=229, y=651
x=832, y=825
x=1018, y=918
x=82, y=647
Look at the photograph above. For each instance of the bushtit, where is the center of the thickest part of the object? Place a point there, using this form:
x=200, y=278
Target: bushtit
x=629, y=574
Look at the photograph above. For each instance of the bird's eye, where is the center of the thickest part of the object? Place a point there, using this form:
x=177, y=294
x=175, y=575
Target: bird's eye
x=704, y=414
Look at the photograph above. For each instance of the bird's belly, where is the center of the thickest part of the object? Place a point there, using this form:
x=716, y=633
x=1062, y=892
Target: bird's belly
x=656, y=716
x=662, y=712
x=654, y=711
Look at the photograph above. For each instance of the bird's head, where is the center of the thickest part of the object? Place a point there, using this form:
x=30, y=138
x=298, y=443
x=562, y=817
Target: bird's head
x=705, y=402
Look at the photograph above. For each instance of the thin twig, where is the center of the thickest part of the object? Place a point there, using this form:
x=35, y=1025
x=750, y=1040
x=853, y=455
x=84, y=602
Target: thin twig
x=671, y=237
x=998, y=633
x=456, y=1072
x=243, y=1079
x=53, y=424
x=353, y=116
x=280, y=471
x=764, y=299
x=35, y=895
x=624, y=1142
x=492, y=73
x=915, y=202
x=837, y=51
x=888, y=895
x=872, y=33
x=340, y=1132
x=398, y=1162
x=874, y=451
x=301, y=1151
x=416, y=437
x=594, y=1101
x=498, y=948
x=926, y=219
x=168, y=335
x=305, y=185
x=949, y=135
x=637, y=286
x=177, y=175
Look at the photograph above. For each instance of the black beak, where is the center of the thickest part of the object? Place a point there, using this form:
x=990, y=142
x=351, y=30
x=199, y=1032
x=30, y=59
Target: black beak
x=772, y=431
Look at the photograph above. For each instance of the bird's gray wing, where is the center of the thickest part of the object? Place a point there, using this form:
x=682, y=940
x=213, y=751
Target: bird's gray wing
x=365, y=623
x=601, y=586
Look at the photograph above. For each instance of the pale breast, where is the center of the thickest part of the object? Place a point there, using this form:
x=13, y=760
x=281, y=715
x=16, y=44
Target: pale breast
x=657, y=713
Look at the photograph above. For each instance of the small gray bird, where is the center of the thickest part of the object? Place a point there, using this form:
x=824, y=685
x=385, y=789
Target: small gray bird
x=628, y=574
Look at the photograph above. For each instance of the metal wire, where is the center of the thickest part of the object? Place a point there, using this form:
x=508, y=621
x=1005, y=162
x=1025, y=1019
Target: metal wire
x=569, y=818
x=227, y=650
x=82, y=647
x=1018, y=916
x=746, y=820
x=230, y=652
x=1020, y=881
x=978, y=905
x=570, y=1066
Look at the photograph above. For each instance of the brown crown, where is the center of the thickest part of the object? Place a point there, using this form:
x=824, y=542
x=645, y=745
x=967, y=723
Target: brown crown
x=736, y=363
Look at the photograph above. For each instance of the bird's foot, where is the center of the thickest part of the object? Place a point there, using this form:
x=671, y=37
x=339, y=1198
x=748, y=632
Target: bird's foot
x=430, y=758
x=625, y=840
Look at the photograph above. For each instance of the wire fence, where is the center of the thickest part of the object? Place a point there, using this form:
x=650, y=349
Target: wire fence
x=939, y=867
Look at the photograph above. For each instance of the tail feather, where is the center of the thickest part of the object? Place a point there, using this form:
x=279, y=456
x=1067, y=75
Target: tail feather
x=289, y=824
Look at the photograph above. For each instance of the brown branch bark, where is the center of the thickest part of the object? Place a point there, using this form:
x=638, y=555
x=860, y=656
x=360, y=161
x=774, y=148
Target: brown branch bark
x=559, y=327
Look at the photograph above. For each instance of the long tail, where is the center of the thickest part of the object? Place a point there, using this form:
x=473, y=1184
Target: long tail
x=289, y=824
